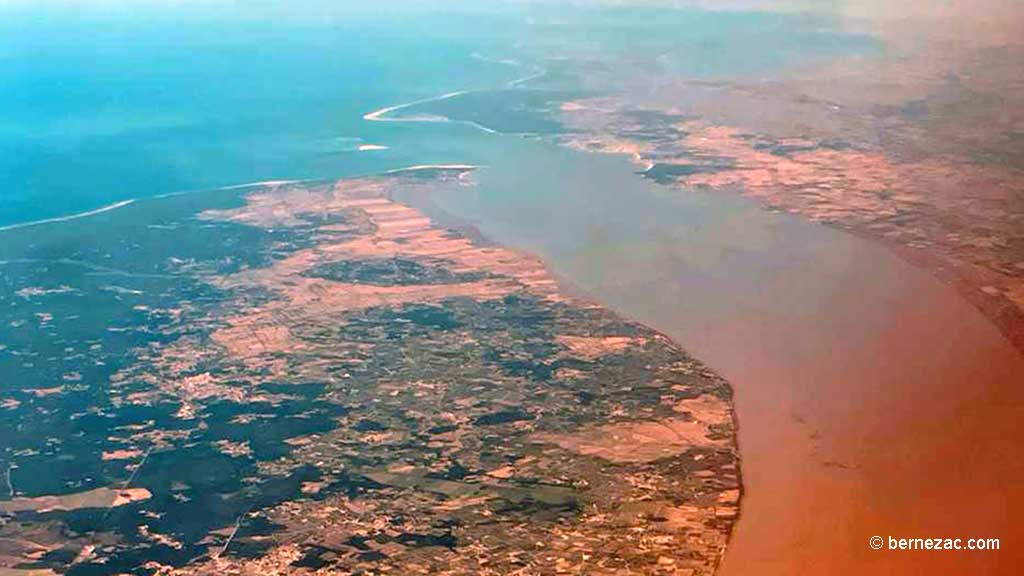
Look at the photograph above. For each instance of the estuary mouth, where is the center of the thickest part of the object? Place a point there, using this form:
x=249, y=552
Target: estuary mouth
x=602, y=287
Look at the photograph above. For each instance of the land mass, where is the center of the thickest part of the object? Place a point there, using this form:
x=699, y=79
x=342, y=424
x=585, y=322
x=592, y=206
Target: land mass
x=374, y=393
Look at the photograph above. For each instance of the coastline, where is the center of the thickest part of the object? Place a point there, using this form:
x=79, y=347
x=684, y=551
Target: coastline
x=128, y=202
x=69, y=217
x=424, y=202
x=248, y=185
x=383, y=114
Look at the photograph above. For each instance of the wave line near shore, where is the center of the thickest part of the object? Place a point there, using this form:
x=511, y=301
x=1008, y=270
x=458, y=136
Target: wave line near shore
x=68, y=217
x=381, y=115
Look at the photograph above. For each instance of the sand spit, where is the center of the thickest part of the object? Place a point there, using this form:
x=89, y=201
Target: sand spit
x=69, y=217
x=382, y=115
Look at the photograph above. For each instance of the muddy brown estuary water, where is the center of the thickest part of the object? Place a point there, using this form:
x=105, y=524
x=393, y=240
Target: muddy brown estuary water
x=872, y=399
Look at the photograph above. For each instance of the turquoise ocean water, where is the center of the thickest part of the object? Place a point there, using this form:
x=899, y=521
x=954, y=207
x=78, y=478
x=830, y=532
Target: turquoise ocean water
x=103, y=102
x=100, y=108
